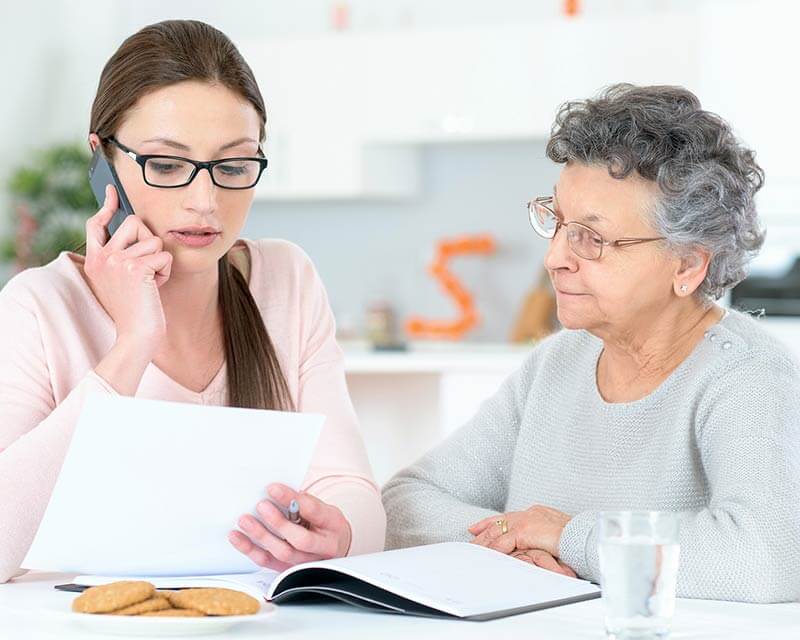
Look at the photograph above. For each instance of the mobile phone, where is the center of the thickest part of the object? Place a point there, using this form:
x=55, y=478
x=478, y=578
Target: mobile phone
x=101, y=174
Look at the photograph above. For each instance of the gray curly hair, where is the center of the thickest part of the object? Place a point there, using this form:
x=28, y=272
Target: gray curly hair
x=707, y=178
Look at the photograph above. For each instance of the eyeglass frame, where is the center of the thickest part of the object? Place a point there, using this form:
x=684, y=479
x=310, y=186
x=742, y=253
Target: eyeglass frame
x=141, y=160
x=546, y=203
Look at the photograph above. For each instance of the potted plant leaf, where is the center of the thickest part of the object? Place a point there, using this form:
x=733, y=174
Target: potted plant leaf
x=51, y=200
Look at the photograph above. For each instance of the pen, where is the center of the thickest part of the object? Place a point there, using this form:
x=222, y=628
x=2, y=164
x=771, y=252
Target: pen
x=294, y=512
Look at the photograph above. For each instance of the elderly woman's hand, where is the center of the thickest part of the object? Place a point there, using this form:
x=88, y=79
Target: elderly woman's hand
x=544, y=560
x=539, y=527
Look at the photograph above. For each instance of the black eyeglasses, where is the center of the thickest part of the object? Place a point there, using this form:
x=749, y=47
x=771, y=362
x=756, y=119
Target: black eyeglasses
x=171, y=172
x=584, y=241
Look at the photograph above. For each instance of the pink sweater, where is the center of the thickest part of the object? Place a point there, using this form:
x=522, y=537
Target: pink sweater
x=53, y=332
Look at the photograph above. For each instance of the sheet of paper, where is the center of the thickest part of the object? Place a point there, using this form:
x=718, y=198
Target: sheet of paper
x=153, y=488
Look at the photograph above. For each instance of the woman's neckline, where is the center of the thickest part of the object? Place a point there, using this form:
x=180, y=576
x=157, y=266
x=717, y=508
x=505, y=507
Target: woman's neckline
x=76, y=261
x=664, y=384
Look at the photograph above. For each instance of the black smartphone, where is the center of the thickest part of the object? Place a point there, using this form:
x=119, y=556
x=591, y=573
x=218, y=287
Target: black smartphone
x=101, y=174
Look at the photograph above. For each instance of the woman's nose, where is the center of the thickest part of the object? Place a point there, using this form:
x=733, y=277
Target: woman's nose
x=559, y=255
x=201, y=194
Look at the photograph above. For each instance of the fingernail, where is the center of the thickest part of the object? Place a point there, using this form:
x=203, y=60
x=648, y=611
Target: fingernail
x=108, y=186
x=275, y=492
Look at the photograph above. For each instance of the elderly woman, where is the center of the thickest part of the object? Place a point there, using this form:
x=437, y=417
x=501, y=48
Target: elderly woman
x=652, y=397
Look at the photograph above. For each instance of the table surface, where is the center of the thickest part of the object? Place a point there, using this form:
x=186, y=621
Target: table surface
x=22, y=600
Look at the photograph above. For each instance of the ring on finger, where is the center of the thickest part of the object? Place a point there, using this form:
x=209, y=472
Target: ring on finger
x=503, y=524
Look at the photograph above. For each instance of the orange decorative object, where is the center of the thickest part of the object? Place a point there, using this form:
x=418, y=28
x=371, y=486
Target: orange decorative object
x=572, y=8
x=417, y=327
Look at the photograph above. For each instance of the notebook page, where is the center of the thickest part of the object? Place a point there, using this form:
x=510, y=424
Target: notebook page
x=458, y=578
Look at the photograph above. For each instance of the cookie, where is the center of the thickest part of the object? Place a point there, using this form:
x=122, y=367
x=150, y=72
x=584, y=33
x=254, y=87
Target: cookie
x=176, y=613
x=110, y=597
x=215, y=602
x=156, y=603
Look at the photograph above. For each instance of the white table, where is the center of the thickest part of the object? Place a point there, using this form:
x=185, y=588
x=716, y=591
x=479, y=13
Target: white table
x=21, y=599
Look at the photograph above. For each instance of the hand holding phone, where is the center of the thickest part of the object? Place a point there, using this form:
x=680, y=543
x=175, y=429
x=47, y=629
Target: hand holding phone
x=125, y=273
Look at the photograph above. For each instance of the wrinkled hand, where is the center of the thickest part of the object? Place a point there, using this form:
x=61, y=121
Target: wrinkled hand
x=325, y=532
x=539, y=527
x=544, y=560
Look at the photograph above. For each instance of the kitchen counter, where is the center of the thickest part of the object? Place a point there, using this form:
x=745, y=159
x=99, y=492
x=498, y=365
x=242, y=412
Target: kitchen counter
x=462, y=357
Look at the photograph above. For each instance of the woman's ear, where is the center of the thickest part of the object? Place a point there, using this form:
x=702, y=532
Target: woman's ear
x=691, y=272
x=94, y=141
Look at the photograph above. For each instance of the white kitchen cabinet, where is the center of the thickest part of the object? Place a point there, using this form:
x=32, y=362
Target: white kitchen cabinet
x=347, y=111
x=506, y=82
x=313, y=89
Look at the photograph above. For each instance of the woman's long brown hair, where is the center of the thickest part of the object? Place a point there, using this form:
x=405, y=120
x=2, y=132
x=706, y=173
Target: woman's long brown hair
x=160, y=55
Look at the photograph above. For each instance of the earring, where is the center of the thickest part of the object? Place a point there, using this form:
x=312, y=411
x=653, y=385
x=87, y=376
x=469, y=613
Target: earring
x=684, y=288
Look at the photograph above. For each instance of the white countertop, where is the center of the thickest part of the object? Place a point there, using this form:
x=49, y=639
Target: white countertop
x=435, y=357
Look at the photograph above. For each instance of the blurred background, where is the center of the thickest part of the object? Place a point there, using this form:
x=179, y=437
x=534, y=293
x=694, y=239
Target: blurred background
x=405, y=131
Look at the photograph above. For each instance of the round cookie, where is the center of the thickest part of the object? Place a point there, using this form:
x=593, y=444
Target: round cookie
x=113, y=596
x=215, y=602
x=176, y=613
x=156, y=603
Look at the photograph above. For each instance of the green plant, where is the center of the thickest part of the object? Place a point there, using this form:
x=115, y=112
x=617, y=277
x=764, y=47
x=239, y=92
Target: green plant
x=52, y=200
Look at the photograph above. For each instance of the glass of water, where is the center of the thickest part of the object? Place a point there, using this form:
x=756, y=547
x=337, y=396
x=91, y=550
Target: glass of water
x=638, y=570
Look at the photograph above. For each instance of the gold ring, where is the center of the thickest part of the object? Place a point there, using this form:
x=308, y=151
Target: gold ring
x=503, y=524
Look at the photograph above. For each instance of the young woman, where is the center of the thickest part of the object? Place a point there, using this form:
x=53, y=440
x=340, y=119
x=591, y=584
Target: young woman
x=175, y=306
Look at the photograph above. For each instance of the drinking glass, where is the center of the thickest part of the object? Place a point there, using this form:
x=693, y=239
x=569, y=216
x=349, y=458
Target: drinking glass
x=638, y=570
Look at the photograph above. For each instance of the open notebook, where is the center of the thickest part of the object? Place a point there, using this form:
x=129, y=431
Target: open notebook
x=451, y=579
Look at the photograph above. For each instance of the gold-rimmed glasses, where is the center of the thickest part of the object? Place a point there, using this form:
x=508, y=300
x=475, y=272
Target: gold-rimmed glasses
x=584, y=241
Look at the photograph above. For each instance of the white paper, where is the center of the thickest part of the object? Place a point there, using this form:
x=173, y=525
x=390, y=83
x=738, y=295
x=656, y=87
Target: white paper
x=153, y=488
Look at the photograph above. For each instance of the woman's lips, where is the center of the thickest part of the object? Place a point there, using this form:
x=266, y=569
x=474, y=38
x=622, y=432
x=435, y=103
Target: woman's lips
x=195, y=238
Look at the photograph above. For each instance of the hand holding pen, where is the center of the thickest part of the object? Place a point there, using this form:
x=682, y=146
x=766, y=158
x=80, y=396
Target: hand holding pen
x=311, y=530
x=294, y=514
